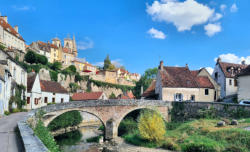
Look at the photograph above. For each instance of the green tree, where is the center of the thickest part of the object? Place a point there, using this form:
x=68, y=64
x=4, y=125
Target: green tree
x=107, y=63
x=78, y=77
x=56, y=66
x=72, y=68
x=112, y=96
x=145, y=81
x=30, y=57
x=41, y=59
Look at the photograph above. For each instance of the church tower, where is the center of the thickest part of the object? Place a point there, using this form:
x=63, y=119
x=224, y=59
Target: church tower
x=68, y=43
x=56, y=41
x=74, y=47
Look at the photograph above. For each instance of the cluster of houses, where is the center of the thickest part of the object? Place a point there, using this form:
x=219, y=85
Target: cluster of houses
x=228, y=82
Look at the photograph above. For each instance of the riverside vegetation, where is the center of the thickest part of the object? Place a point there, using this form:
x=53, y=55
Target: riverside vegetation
x=200, y=135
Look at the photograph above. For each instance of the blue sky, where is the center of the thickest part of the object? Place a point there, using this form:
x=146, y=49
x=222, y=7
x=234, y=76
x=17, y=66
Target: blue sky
x=140, y=33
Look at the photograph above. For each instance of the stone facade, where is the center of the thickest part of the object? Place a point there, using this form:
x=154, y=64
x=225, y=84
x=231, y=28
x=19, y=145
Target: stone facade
x=244, y=88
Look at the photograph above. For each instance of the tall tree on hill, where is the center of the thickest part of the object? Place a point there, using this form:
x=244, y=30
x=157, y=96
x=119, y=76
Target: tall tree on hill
x=107, y=63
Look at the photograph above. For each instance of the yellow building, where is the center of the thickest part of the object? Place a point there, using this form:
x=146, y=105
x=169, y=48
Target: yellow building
x=54, y=53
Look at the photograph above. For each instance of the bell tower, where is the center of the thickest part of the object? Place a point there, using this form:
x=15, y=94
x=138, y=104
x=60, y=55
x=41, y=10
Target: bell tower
x=74, y=47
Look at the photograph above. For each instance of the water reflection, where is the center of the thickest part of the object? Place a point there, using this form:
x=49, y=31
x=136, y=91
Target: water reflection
x=75, y=141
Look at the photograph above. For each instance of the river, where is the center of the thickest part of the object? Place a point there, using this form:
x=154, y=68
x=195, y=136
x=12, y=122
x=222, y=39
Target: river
x=76, y=141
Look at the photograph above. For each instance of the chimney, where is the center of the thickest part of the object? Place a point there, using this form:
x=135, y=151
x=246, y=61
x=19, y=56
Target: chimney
x=16, y=28
x=218, y=60
x=186, y=65
x=243, y=62
x=5, y=18
x=161, y=66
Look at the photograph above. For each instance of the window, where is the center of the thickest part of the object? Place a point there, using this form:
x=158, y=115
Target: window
x=36, y=101
x=216, y=75
x=206, y=91
x=28, y=100
x=230, y=82
x=61, y=100
x=178, y=97
x=53, y=100
x=235, y=83
x=54, y=93
x=192, y=97
x=45, y=99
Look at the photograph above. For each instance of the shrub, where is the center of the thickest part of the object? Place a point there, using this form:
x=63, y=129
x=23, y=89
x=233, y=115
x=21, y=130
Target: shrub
x=151, y=126
x=30, y=57
x=53, y=75
x=6, y=113
x=44, y=135
x=127, y=126
x=112, y=96
x=56, y=66
x=78, y=77
x=73, y=87
x=201, y=144
x=71, y=118
x=41, y=59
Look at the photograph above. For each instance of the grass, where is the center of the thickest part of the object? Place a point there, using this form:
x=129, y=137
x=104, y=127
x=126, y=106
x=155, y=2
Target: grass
x=200, y=135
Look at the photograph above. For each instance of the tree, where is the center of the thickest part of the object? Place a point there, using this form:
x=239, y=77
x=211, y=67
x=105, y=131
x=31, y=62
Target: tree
x=145, y=81
x=112, y=96
x=30, y=57
x=151, y=126
x=78, y=77
x=41, y=59
x=56, y=66
x=72, y=68
x=107, y=63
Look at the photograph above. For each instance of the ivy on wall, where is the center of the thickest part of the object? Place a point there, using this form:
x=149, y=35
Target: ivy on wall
x=18, y=98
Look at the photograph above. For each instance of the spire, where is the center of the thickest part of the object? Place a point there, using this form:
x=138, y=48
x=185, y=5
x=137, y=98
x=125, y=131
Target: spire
x=74, y=46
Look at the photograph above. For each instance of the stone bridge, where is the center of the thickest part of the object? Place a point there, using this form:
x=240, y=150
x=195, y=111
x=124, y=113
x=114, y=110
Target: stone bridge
x=109, y=112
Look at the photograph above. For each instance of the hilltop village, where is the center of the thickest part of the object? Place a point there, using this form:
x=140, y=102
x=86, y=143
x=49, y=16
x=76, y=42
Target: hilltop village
x=42, y=73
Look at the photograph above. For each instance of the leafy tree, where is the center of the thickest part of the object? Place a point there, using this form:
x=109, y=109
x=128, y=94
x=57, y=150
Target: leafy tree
x=111, y=67
x=56, y=66
x=145, y=81
x=30, y=57
x=107, y=63
x=78, y=77
x=151, y=126
x=41, y=59
x=112, y=96
x=72, y=68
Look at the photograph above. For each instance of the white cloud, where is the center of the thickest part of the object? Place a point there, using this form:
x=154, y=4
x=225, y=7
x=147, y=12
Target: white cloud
x=156, y=33
x=223, y=7
x=212, y=29
x=216, y=17
x=116, y=62
x=183, y=15
x=23, y=8
x=232, y=58
x=234, y=8
x=87, y=43
x=210, y=70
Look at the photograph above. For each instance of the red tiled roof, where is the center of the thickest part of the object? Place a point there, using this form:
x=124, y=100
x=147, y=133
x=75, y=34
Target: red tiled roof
x=53, y=46
x=86, y=96
x=150, y=90
x=30, y=82
x=66, y=50
x=203, y=81
x=128, y=95
x=7, y=26
x=51, y=86
x=226, y=66
x=245, y=71
x=178, y=77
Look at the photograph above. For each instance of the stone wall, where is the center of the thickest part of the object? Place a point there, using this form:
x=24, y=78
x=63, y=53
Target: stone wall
x=191, y=110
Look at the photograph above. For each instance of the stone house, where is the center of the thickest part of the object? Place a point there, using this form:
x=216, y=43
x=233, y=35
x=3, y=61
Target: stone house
x=41, y=48
x=5, y=86
x=18, y=76
x=42, y=92
x=182, y=84
x=9, y=36
x=244, y=84
x=89, y=96
x=225, y=75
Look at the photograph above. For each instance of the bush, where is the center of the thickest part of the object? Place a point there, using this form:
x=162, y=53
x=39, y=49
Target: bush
x=78, y=77
x=30, y=57
x=41, y=59
x=112, y=96
x=201, y=144
x=71, y=118
x=6, y=113
x=151, y=126
x=44, y=135
x=53, y=75
x=73, y=87
x=56, y=66
x=127, y=126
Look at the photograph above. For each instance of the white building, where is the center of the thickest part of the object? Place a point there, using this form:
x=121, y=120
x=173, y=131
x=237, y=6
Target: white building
x=10, y=36
x=244, y=84
x=225, y=75
x=41, y=92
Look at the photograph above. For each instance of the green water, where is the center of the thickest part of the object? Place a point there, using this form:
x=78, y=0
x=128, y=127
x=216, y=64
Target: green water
x=76, y=141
